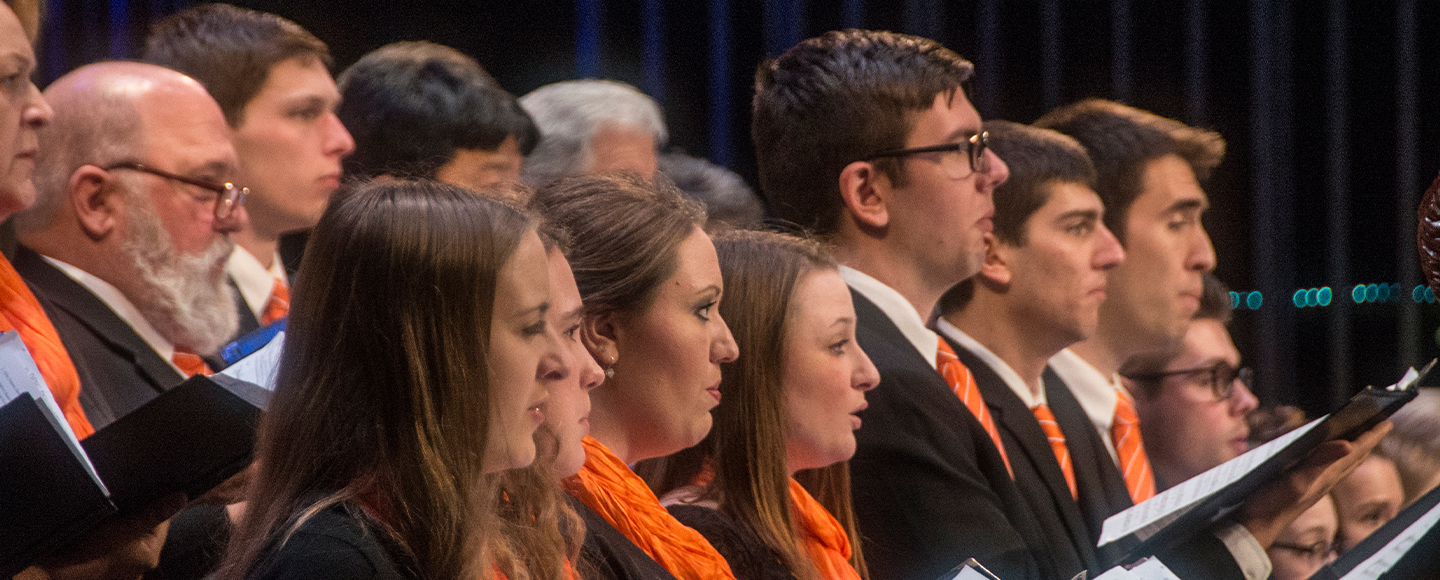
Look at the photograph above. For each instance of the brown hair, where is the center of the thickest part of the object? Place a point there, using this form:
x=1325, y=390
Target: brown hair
x=746, y=445
x=1123, y=140
x=624, y=231
x=383, y=388
x=230, y=50
x=541, y=529
x=836, y=99
x=1038, y=159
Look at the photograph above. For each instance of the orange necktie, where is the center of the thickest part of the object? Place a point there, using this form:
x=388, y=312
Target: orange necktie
x=190, y=363
x=962, y=382
x=1130, y=449
x=1057, y=444
x=278, y=305
x=20, y=311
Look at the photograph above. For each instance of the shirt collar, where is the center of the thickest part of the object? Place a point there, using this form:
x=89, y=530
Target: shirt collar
x=254, y=280
x=897, y=309
x=122, y=307
x=1012, y=379
x=1094, y=390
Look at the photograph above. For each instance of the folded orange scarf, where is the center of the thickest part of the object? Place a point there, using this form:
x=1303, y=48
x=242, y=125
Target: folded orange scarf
x=822, y=536
x=19, y=310
x=608, y=486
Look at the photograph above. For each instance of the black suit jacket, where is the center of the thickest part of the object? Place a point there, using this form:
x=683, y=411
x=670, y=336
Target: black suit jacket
x=1037, y=472
x=248, y=322
x=929, y=488
x=1102, y=488
x=118, y=370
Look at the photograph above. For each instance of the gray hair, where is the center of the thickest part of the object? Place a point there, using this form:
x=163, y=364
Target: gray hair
x=569, y=113
x=726, y=196
x=96, y=122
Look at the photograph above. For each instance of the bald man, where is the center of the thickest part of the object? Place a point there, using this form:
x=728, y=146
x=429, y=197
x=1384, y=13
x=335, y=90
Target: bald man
x=126, y=244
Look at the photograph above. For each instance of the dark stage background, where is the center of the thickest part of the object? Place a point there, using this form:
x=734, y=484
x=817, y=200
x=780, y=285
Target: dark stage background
x=1326, y=105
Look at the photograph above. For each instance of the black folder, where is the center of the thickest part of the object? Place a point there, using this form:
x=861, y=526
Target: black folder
x=1362, y=412
x=189, y=439
x=1420, y=561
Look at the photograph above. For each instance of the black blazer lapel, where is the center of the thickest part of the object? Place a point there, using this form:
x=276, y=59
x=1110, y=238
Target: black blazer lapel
x=68, y=295
x=1102, y=488
x=1026, y=442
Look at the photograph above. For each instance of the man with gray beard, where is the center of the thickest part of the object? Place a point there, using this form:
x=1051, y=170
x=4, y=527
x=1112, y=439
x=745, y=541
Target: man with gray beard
x=126, y=245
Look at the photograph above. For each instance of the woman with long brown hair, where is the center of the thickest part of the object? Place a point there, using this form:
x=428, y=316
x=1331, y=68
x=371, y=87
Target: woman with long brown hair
x=650, y=282
x=790, y=405
x=415, y=364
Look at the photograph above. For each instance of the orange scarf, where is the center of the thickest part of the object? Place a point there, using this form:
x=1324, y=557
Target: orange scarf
x=19, y=310
x=608, y=486
x=822, y=536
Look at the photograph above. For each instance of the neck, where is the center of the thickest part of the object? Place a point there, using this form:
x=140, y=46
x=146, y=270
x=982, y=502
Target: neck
x=263, y=247
x=613, y=434
x=1027, y=348
x=876, y=261
x=1103, y=350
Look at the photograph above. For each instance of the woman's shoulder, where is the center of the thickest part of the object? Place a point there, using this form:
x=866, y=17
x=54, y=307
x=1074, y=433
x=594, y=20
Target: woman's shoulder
x=337, y=542
x=749, y=558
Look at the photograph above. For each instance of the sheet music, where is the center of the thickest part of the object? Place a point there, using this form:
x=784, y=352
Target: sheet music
x=1153, y=569
x=1386, y=558
x=1117, y=573
x=1151, y=515
x=260, y=367
x=19, y=375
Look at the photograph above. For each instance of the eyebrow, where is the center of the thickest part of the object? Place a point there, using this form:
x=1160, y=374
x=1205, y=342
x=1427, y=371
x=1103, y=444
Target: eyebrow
x=959, y=134
x=843, y=321
x=1187, y=204
x=711, y=289
x=1089, y=214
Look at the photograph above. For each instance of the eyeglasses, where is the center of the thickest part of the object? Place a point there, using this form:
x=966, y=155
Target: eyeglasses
x=1219, y=376
x=227, y=196
x=953, y=163
x=1321, y=552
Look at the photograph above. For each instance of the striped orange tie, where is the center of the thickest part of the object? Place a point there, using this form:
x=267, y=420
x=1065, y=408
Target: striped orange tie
x=190, y=363
x=962, y=382
x=279, y=303
x=1057, y=444
x=1130, y=449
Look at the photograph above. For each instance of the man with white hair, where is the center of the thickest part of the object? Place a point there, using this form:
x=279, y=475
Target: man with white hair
x=589, y=126
x=126, y=245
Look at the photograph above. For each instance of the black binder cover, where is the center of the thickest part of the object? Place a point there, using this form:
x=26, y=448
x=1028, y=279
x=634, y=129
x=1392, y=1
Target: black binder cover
x=189, y=439
x=1420, y=562
x=1366, y=409
x=47, y=499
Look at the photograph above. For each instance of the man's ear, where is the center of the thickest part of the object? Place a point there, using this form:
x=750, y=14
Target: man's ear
x=97, y=200
x=995, y=270
x=865, y=190
x=600, y=334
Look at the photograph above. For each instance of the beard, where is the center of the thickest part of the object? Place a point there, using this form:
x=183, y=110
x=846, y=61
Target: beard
x=184, y=297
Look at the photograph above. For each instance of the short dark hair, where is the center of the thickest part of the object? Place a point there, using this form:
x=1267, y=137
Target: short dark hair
x=410, y=105
x=729, y=201
x=1038, y=159
x=1122, y=140
x=229, y=50
x=835, y=99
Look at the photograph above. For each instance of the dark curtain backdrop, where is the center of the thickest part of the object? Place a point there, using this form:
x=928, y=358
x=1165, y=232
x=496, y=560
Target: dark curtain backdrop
x=1324, y=104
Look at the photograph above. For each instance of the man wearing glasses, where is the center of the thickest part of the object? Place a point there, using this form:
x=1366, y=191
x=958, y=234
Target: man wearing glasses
x=127, y=242
x=1193, y=400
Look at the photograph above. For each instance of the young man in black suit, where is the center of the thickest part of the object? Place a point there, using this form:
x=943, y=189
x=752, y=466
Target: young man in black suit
x=1038, y=291
x=868, y=139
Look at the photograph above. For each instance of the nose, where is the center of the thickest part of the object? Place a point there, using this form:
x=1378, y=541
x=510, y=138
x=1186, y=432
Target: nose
x=723, y=348
x=1242, y=402
x=338, y=142
x=237, y=219
x=866, y=375
x=37, y=112
x=1202, y=252
x=1108, y=253
x=559, y=359
x=591, y=375
x=999, y=171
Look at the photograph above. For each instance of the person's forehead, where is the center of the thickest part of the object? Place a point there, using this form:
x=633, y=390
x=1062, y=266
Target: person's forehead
x=1207, y=341
x=13, y=43
x=950, y=117
x=187, y=130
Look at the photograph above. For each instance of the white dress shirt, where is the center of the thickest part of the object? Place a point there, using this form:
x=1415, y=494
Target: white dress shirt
x=122, y=307
x=897, y=309
x=254, y=280
x=1031, y=396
